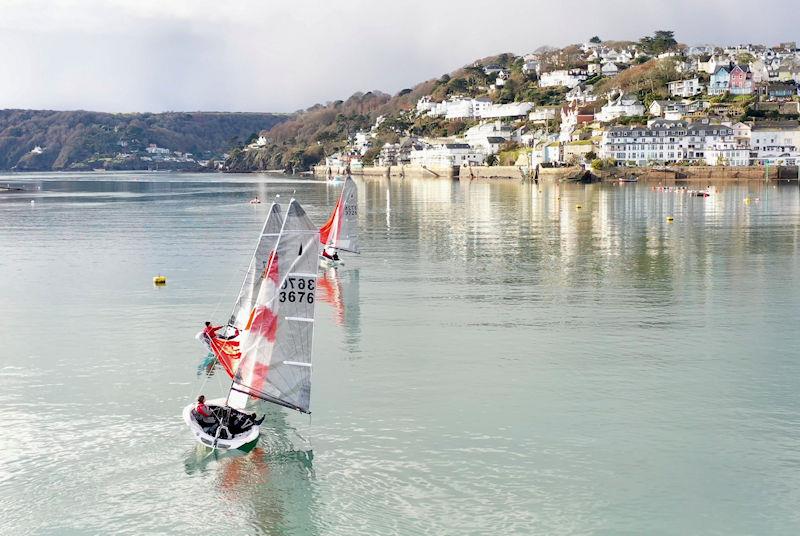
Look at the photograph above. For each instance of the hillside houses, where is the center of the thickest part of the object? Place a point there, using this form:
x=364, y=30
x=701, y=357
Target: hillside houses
x=706, y=105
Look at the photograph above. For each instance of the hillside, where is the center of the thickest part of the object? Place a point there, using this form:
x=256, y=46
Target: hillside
x=85, y=140
x=311, y=134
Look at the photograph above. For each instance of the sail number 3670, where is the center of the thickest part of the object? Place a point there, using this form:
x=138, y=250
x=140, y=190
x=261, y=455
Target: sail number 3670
x=297, y=290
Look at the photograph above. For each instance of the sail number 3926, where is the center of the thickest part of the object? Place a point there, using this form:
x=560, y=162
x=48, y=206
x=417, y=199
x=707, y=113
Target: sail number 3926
x=297, y=290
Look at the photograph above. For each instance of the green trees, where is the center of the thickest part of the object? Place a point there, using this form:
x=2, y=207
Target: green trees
x=596, y=40
x=661, y=41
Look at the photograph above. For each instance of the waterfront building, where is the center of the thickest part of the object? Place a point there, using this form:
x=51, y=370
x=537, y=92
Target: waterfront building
x=775, y=134
x=447, y=154
x=685, y=88
x=665, y=141
x=741, y=134
x=389, y=154
x=776, y=156
x=574, y=152
x=488, y=137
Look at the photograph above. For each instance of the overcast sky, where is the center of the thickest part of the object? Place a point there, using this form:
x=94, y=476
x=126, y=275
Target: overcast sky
x=267, y=55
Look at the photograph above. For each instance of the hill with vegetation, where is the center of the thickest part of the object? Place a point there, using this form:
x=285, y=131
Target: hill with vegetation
x=43, y=140
x=321, y=130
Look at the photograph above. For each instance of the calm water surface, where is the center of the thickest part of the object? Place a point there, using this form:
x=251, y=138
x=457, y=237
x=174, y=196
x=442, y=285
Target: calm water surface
x=495, y=362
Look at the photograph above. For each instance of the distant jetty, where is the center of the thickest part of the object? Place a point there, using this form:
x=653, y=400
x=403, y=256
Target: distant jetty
x=10, y=189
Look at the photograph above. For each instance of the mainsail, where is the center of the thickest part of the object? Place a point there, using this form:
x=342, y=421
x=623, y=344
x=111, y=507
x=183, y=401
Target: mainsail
x=275, y=342
x=340, y=232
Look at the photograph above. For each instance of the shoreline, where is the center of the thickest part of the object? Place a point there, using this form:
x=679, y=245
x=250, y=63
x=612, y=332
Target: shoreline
x=571, y=174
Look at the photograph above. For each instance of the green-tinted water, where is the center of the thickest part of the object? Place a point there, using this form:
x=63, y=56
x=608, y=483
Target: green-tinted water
x=496, y=361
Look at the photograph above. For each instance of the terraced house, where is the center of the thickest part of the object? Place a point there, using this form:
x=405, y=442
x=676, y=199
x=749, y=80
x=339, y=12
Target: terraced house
x=665, y=141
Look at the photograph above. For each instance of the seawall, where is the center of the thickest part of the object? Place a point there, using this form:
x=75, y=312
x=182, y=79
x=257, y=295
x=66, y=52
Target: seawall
x=432, y=172
x=649, y=174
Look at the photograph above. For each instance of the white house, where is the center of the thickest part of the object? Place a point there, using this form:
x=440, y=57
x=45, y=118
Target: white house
x=622, y=106
x=565, y=78
x=488, y=136
x=154, y=149
x=448, y=154
x=542, y=114
x=609, y=69
x=531, y=67
x=581, y=94
x=509, y=110
x=685, y=88
x=775, y=135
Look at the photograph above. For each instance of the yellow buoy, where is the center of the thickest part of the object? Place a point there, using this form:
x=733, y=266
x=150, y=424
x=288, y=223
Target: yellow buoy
x=747, y=200
x=159, y=280
x=670, y=219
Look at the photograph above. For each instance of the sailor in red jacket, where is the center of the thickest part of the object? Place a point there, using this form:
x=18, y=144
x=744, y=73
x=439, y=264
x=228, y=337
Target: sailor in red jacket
x=205, y=416
x=210, y=332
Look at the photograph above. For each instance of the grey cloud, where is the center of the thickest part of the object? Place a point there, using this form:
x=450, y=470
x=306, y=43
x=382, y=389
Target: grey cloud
x=121, y=55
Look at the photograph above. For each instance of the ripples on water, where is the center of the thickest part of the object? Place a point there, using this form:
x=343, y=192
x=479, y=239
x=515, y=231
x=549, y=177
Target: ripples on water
x=497, y=361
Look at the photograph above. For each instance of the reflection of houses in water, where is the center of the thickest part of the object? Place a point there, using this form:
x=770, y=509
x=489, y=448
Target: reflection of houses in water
x=352, y=307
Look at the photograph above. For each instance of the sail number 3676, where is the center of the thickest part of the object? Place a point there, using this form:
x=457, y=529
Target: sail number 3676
x=297, y=290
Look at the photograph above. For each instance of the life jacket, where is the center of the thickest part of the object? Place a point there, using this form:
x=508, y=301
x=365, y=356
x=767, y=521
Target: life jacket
x=202, y=410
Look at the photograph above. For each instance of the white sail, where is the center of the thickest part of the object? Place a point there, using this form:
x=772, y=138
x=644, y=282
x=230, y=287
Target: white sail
x=340, y=232
x=276, y=341
x=258, y=263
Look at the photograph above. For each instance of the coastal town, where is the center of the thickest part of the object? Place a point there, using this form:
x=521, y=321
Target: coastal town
x=598, y=105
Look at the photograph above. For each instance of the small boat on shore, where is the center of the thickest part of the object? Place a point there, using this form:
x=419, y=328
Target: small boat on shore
x=628, y=178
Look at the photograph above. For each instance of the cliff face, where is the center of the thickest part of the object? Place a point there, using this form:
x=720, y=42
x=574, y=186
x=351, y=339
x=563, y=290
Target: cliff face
x=73, y=140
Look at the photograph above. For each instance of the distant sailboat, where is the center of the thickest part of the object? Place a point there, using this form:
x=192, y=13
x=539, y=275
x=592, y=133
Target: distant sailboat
x=266, y=346
x=340, y=232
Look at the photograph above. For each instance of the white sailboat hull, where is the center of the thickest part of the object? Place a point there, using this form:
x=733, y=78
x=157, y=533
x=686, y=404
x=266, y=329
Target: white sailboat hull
x=210, y=441
x=325, y=262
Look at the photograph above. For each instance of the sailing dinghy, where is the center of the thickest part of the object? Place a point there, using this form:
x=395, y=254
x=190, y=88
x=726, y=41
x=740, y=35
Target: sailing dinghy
x=340, y=232
x=266, y=346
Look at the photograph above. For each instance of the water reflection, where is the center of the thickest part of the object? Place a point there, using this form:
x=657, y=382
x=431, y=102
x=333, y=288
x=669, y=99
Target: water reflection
x=271, y=484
